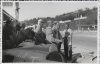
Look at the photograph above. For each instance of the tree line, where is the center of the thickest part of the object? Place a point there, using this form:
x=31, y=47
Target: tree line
x=91, y=15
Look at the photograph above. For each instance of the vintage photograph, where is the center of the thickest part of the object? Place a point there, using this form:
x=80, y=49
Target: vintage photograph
x=49, y=0
x=49, y=32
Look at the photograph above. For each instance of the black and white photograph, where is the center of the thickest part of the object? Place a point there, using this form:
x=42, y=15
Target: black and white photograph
x=49, y=32
x=49, y=0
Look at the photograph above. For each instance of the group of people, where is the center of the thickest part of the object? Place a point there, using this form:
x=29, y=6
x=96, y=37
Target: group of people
x=14, y=34
x=50, y=35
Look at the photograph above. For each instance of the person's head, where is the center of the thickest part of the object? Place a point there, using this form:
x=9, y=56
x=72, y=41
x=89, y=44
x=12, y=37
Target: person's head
x=67, y=26
x=50, y=23
x=40, y=22
x=56, y=25
x=3, y=23
x=8, y=22
x=18, y=24
x=55, y=22
x=23, y=25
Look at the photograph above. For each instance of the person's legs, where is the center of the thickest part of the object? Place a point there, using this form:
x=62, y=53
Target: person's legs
x=59, y=46
x=70, y=52
x=66, y=48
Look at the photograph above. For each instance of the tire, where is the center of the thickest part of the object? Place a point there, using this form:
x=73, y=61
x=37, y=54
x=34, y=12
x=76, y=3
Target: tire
x=55, y=56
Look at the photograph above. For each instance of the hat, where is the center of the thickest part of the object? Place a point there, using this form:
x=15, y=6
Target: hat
x=40, y=21
x=49, y=21
x=55, y=22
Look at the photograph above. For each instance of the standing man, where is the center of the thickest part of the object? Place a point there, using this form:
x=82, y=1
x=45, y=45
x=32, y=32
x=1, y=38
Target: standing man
x=68, y=42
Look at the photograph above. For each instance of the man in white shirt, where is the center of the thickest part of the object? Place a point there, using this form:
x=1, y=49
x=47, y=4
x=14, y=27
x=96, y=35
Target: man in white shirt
x=53, y=35
x=70, y=34
x=46, y=36
x=68, y=43
x=49, y=33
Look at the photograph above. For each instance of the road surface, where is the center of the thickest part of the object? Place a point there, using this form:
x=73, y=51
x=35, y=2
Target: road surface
x=85, y=41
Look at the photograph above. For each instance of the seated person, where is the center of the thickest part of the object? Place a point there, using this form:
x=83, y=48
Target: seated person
x=53, y=35
x=47, y=37
x=40, y=36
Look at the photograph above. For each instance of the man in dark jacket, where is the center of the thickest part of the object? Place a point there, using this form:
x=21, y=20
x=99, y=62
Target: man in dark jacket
x=7, y=32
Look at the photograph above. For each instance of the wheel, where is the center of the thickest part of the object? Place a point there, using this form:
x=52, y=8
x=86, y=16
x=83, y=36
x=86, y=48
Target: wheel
x=7, y=58
x=55, y=56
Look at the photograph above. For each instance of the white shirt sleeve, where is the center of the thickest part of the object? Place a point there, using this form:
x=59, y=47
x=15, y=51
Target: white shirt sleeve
x=49, y=35
x=37, y=29
x=70, y=36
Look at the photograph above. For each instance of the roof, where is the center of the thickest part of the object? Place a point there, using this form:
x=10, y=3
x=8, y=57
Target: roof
x=7, y=16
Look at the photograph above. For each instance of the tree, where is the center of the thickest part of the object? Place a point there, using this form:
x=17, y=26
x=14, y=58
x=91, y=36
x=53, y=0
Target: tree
x=94, y=8
x=88, y=11
x=80, y=12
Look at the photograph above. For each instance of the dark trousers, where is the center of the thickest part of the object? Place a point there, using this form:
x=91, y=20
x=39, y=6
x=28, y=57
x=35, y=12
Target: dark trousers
x=66, y=47
x=59, y=46
x=66, y=51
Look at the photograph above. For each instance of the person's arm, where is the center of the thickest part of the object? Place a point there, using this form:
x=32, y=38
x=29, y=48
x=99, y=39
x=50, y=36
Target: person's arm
x=70, y=37
x=37, y=29
x=52, y=39
x=49, y=35
x=44, y=30
x=55, y=39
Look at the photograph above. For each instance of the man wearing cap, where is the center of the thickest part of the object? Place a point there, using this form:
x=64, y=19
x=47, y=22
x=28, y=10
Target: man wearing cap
x=49, y=33
x=53, y=35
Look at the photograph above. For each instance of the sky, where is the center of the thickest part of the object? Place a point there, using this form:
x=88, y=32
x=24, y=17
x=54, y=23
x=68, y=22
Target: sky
x=29, y=10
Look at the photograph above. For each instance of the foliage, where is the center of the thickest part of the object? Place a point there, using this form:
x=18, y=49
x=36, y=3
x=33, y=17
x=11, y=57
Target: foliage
x=91, y=15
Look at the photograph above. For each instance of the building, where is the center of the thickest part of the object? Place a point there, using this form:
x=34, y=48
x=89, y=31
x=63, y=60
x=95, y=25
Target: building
x=7, y=16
